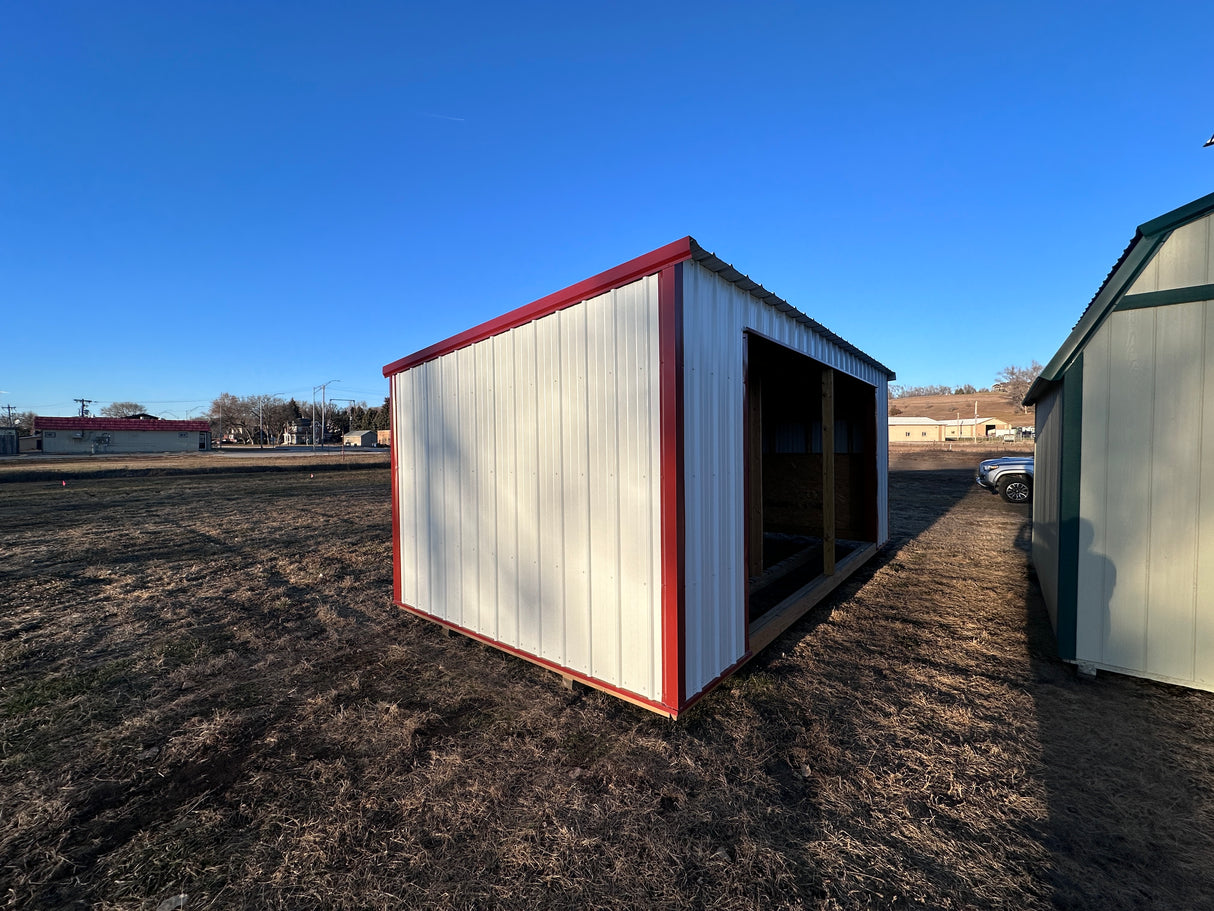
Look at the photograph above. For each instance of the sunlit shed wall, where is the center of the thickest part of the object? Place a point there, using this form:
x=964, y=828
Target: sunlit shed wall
x=1123, y=517
x=568, y=479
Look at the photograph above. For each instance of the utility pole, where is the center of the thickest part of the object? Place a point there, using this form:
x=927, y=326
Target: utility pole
x=84, y=406
x=321, y=387
x=9, y=408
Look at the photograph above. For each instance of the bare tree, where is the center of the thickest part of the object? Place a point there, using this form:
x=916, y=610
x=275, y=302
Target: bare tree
x=24, y=422
x=122, y=409
x=231, y=418
x=1014, y=382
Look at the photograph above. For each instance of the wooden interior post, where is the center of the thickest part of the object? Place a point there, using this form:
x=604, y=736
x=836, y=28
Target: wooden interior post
x=754, y=474
x=828, y=471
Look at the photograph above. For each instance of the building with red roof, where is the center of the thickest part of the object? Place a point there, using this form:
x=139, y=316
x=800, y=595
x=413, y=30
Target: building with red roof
x=90, y=436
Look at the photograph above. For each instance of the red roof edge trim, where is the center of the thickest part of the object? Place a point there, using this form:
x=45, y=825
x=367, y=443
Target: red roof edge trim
x=623, y=274
x=54, y=423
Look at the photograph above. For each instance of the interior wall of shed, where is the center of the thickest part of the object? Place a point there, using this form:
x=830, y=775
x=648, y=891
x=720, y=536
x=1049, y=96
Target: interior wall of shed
x=789, y=512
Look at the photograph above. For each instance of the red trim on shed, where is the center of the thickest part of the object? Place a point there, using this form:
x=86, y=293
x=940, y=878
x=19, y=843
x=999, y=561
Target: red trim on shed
x=630, y=271
x=670, y=341
x=661, y=707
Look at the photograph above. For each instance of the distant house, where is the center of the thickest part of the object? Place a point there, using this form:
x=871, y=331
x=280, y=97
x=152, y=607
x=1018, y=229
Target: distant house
x=90, y=436
x=359, y=438
x=298, y=432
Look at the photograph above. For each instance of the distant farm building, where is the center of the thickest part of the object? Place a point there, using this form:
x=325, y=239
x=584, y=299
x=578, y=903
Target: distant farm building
x=1122, y=526
x=639, y=481
x=915, y=430
x=383, y=437
x=91, y=436
x=925, y=430
x=10, y=441
x=359, y=438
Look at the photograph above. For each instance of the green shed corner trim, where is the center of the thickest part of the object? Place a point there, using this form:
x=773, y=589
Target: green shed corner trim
x=1165, y=298
x=1068, y=509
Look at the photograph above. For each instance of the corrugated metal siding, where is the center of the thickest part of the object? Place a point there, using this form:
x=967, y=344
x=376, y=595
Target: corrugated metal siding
x=528, y=482
x=1146, y=566
x=716, y=313
x=1047, y=471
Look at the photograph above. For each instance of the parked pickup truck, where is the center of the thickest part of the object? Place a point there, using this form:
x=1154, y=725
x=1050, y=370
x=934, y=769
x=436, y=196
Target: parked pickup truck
x=1011, y=477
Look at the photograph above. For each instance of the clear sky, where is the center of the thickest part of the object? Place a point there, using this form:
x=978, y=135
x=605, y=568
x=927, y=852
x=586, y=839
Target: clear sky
x=259, y=197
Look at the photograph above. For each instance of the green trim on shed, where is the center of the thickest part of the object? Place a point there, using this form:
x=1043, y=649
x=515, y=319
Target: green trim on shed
x=1068, y=509
x=1178, y=216
x=1165, y=298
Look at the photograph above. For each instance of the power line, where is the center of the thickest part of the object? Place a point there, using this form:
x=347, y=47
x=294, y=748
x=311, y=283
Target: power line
x=84, y=406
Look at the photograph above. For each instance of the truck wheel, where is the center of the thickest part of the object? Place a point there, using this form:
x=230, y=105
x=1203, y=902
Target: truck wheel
x=1016, y=489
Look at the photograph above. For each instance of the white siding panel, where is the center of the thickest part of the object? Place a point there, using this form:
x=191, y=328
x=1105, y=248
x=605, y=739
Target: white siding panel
x=605, y=528
x=504, y=627
x=1179, y=344
x=1203, y=627
x=485, y=616
x=575, y=489
x=1128, y=505
x=1184, y=258
x=529, y=489
x=716, y=313
x=1096, y=572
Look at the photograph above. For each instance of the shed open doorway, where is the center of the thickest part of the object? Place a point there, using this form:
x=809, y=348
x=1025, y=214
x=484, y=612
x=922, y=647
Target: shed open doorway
x=811, y=490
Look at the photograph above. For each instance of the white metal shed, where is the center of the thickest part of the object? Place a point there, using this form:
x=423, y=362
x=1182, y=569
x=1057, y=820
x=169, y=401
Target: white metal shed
x=1123, y=534
x=638, y=481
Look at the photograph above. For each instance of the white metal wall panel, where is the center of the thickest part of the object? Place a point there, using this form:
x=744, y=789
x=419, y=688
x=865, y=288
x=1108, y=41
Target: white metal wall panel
x=1047, y=488
x=716, y=313
x=528, y=489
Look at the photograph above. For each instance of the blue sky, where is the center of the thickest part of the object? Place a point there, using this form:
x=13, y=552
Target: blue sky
x=259, y=197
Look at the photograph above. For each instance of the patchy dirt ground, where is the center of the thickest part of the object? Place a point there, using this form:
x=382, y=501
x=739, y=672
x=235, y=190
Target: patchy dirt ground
x=206, y=692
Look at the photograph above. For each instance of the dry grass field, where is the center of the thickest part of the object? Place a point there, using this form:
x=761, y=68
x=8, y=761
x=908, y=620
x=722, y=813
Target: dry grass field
x=208, y=701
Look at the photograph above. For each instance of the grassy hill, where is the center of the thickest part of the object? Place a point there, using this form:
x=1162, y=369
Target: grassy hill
x=947, y=407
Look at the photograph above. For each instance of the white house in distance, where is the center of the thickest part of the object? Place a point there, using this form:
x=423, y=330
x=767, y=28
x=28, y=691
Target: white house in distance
x=91, y=436
x=1123, y=532
x=638, y=481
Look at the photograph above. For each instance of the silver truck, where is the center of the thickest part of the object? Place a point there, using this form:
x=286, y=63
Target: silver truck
x=1011, y=477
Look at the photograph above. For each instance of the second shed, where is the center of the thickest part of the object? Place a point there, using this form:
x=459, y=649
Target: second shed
x=1123, y=532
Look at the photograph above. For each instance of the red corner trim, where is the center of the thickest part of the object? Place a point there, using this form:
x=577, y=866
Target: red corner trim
x=648, y=264
x=670, y=340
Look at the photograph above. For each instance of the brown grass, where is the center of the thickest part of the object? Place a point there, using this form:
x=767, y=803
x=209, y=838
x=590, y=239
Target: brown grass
x=205, y=691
